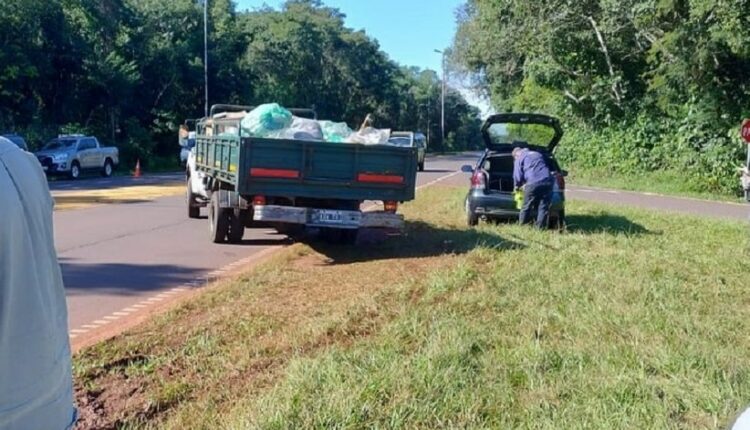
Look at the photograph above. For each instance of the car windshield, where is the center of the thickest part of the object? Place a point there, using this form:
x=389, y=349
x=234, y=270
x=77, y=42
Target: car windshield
x=59, y=144
x=531, y=134
x=400, y=141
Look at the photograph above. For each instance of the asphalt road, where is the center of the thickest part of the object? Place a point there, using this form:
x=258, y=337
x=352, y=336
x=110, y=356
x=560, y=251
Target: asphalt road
x=114, y=257
x=118, y=259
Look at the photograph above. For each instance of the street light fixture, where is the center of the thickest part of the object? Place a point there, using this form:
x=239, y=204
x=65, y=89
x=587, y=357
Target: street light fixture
x=442, y=103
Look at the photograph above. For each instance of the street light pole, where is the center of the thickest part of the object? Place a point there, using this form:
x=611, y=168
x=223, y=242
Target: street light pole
x=442, y=103
x=205, y=54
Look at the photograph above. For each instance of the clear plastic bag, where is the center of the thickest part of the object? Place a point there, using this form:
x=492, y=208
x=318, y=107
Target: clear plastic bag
x=370, y=136
x=300, y=129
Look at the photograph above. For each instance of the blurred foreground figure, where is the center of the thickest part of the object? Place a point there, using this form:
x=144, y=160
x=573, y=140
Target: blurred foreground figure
x=36, y=390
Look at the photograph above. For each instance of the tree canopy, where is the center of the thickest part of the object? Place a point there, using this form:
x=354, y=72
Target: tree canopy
x=643, y=84
x=130, y=71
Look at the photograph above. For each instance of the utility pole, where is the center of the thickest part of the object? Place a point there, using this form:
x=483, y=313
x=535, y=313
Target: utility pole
x=442, y=102
x=205, y=53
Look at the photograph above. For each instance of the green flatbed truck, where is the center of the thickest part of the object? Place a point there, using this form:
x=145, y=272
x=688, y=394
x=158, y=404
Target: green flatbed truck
x=288, y=184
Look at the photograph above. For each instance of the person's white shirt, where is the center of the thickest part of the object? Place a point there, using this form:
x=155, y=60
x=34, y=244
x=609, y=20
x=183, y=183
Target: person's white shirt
x=36, y=390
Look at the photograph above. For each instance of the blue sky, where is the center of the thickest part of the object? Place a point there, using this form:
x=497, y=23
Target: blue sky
x=408, y=30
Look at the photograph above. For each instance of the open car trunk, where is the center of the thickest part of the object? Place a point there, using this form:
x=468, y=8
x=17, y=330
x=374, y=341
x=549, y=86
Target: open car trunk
x=499, y=170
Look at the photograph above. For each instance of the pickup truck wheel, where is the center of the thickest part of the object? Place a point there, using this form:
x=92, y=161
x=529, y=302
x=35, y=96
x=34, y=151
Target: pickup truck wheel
x=218, y=221
x=108, y=168
x=471, y=218
x=236, y=226
x=75, y=170
x=194, y=211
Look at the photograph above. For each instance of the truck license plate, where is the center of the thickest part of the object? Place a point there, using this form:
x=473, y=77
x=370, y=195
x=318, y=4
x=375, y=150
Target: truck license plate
x=330, y=217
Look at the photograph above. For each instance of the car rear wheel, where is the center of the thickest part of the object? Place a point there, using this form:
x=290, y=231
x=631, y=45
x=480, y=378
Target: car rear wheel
x=75, y=170
x=471, y=218
x=108, y=168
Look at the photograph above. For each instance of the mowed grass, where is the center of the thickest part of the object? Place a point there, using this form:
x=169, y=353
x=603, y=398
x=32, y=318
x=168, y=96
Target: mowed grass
x=632, y=319
x=69, y=200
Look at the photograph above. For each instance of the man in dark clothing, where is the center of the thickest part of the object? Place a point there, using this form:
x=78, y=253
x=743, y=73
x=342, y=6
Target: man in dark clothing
x=531, y=172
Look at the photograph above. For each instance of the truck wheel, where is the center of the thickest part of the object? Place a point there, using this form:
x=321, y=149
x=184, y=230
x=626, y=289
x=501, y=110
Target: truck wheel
x=471, y=218
x=218, y=221
x=236, y=226
x=75, y=170
x=194, y=211
x=108, y=168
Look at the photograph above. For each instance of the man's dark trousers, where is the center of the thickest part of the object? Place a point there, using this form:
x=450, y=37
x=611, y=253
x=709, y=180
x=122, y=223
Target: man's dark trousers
x=537, y=196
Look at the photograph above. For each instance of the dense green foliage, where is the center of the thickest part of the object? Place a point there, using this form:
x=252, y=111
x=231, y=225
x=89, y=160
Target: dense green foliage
x=130, y=71
x=643, y=85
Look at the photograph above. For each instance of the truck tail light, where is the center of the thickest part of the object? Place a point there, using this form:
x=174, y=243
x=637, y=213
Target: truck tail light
x=478, y=180
x=380, y=178
x=259, y=201
x=259, y=172
x=390, y=206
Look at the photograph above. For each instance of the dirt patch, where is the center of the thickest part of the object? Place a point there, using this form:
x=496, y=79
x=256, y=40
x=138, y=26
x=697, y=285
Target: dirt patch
x=299, y=303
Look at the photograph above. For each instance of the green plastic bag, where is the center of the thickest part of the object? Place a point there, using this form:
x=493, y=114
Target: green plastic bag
x=518, y=197
x=335, y=131
x=265, y=120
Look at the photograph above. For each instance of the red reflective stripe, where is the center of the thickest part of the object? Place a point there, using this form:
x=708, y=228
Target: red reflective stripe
x=274, y=173
x=385, y=179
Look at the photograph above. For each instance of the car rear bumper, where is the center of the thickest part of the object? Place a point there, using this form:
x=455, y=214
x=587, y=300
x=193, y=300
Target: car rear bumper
x=327, y=218
x=503, y=204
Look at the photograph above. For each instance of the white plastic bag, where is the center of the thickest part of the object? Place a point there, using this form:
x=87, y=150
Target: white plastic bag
x=300, y=129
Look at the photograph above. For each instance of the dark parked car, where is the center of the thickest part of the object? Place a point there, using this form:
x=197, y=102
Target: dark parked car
x=18, y=140
x=492, y=188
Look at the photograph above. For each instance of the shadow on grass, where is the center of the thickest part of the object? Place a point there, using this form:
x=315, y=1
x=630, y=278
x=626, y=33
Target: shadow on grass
x=604, y=223
x=418, y=240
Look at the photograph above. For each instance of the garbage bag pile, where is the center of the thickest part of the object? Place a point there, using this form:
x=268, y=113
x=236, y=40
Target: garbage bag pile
x=275, y=122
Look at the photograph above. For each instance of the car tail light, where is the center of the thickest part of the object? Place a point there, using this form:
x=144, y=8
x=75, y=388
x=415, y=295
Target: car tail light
x=478, y=180
x=560, y=180
x=259, y=201
x=390, y=206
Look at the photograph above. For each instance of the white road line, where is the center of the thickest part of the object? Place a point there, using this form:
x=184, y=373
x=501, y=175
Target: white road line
x=155, y=299
x=111, y=318
x=440, y=179
x=140, y=305
x=72, y=336
x=89, y=326
x=101, y=322
x=120, y=314
x=78, y=331
x=131, y=310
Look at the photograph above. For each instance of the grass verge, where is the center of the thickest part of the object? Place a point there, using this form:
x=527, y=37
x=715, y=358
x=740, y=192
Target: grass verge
x=662, y=182
x=631, y=320
x=122, y=195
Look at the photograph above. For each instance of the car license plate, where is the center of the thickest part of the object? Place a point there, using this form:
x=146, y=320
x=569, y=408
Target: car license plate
x=330, y=217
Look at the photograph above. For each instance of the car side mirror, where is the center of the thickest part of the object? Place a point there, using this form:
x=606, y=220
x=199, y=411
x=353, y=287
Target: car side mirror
x=467, y=169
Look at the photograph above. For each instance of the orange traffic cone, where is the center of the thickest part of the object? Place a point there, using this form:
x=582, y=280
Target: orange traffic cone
x=137, y=173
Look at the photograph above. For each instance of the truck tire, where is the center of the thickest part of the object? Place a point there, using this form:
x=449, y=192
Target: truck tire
x=75, y=170
x=236, y=226
x=218, y=221
x=108, y=168
x=194, y=211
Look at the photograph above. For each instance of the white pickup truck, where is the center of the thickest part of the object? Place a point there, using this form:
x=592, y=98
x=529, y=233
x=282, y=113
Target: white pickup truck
x=72, y=154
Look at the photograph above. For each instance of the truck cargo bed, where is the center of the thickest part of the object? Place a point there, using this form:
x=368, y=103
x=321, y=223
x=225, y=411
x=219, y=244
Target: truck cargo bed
x=303, y=169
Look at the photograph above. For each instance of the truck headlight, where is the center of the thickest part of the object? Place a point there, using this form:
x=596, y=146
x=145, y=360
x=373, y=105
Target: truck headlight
x=59, y=157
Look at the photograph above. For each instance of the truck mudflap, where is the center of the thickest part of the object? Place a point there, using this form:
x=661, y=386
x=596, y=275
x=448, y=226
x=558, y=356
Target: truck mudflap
x=327, y=218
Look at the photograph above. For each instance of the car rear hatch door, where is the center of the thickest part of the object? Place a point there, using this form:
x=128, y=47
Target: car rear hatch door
x=503, y=132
